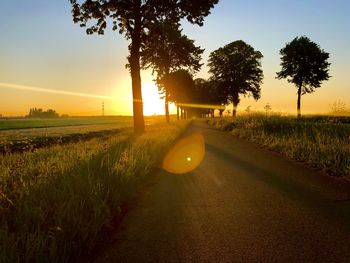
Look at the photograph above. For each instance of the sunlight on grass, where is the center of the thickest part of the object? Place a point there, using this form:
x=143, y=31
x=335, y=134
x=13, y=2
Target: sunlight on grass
x=55, y=201
x=322, y=141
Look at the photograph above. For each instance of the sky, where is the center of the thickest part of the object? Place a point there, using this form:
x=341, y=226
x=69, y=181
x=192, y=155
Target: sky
x=47, y=61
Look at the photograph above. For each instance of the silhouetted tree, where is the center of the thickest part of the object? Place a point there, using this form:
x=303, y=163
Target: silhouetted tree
x=167, y=50
x=134, y=19
x=237, y=66
x=338, y=108
x=267, y=108
x=305, y=64
x=211, y=95
x=180, y=87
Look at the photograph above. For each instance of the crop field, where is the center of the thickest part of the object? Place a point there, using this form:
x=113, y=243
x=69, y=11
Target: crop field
x=321, y=141
x=56, y=202
x=23, y=133
x=25, y=123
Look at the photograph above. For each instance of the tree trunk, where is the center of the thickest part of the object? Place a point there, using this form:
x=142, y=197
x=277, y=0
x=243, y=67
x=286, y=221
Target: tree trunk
x=177, y=112
x=234, y=110
x=299, y=101
x=167, y=117
x=235, y=101
x=134, y=60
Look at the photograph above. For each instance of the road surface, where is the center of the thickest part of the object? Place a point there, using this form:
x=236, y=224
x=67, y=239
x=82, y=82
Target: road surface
x=242, y=204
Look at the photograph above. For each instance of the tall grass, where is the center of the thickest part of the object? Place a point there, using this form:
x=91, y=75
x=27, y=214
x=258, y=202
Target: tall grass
x=55, y=202
x=322, y=143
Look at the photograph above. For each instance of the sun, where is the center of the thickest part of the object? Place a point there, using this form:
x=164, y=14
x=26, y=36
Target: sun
x=152, y=104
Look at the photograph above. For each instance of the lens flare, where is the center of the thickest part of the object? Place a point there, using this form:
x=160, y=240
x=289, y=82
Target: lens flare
x=201, y=106
x=186, y=155
x=54, y=91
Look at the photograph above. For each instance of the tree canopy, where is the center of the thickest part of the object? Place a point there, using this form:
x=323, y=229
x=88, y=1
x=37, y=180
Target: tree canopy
x=180, y=86
x=210, y=95
x=304, y=64
x=197, y=96
x=169, y=50
x=130, y=16
x=135, y=19
x=237, y=67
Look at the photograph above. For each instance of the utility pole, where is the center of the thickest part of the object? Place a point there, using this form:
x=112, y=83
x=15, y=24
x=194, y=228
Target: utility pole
x=103, y=108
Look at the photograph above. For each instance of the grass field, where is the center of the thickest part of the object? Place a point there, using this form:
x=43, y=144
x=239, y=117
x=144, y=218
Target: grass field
x=321, y=141
x=56, y=202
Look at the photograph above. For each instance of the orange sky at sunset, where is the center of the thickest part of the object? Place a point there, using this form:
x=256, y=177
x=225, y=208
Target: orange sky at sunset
x=41, y=47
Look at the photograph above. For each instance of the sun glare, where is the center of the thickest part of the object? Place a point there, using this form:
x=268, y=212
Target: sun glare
x=153, y=105
x=186, y=155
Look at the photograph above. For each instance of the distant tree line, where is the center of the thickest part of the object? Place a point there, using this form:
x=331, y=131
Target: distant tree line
x=40, y=113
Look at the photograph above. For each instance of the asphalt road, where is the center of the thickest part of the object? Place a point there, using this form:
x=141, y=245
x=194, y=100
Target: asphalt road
x=242, y=204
